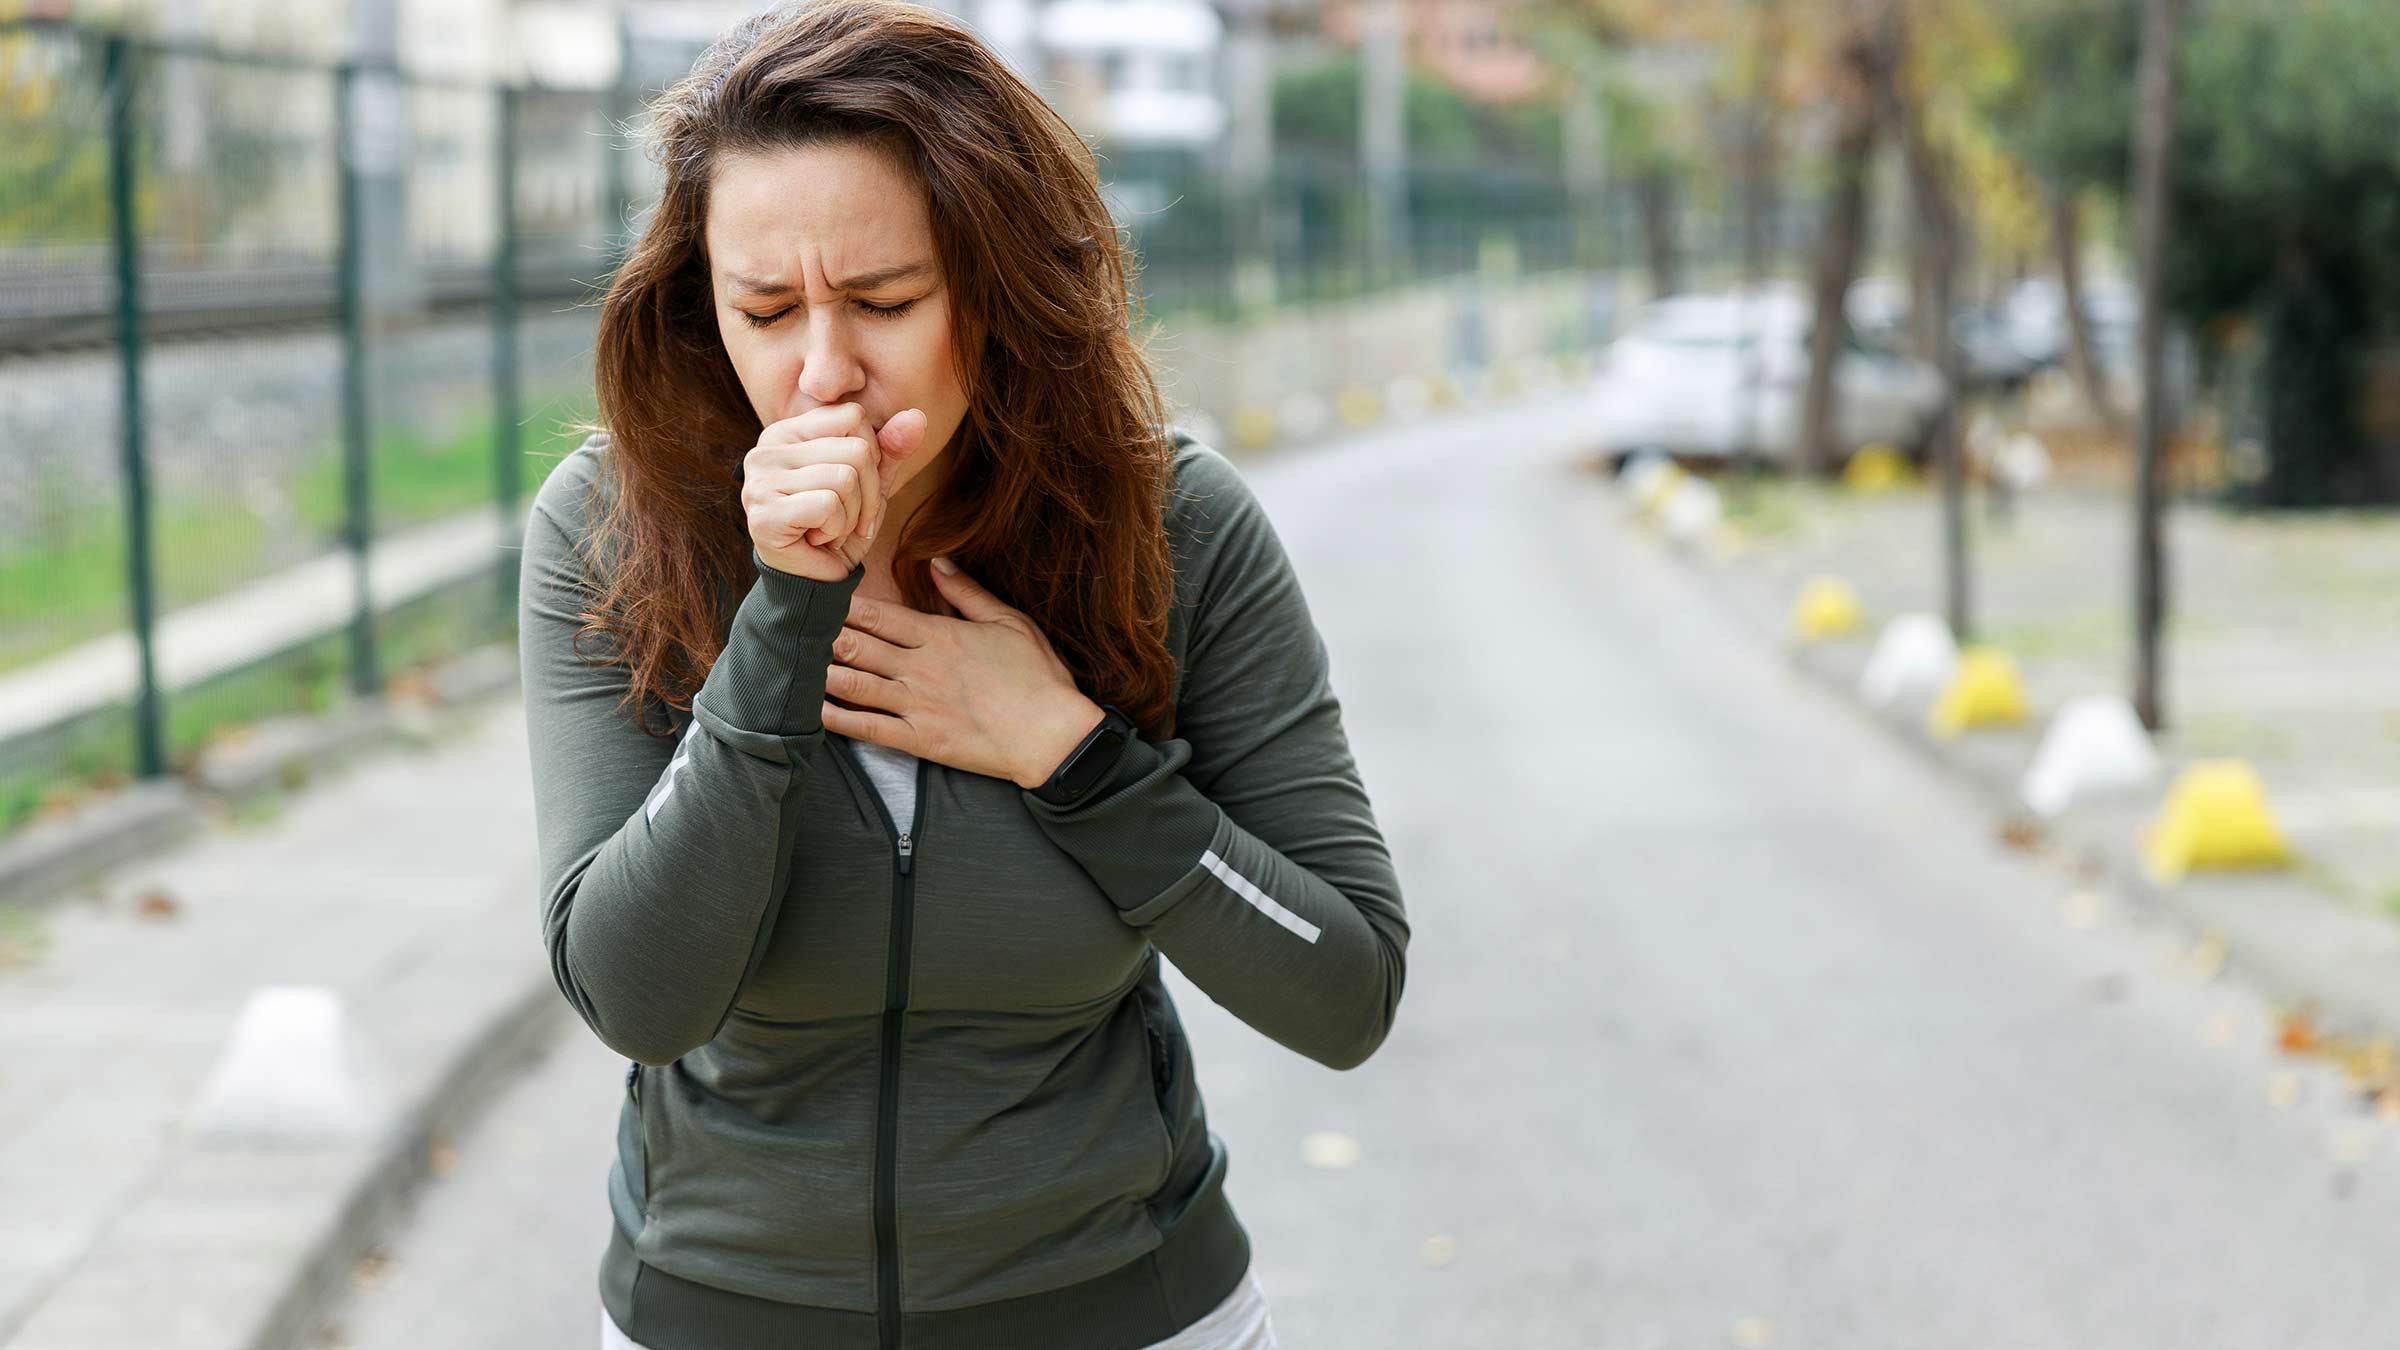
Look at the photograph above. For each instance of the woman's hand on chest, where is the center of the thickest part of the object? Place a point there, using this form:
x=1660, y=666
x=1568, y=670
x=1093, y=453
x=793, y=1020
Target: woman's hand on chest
x=984, y=692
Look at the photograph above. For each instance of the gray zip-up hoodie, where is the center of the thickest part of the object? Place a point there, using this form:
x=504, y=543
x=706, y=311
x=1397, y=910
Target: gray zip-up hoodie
x=927, y=1089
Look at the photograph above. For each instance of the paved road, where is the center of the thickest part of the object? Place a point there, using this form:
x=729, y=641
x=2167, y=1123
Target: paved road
x=1728, y=1022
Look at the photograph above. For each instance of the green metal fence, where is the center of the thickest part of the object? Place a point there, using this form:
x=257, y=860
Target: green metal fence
x=285, y=346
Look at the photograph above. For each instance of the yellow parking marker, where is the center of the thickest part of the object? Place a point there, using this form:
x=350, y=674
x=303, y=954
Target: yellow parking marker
x=2216, y=816
x=1985, y=690
x=1878, y=468
x=1828, y=608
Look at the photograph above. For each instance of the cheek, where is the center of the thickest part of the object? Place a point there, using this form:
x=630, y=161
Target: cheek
x=918, y=363
x=755, y=362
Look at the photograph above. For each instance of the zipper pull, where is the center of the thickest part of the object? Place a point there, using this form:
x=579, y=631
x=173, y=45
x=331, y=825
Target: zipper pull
x=908, y=850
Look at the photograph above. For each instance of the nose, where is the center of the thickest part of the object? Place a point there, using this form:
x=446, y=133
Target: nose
x=830, y=371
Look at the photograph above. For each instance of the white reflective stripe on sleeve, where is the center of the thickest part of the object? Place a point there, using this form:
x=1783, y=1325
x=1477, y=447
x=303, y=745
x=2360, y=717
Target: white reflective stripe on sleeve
x=1263, y=902
x=674, y=766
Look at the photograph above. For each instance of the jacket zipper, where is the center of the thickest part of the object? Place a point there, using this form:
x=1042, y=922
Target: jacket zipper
x=887, y=1102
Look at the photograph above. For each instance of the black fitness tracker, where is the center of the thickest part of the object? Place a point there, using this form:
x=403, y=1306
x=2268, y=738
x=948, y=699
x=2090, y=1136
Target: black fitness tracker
x=1083, y=767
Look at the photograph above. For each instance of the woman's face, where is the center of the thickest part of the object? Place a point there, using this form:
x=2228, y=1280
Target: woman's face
x=827, y=289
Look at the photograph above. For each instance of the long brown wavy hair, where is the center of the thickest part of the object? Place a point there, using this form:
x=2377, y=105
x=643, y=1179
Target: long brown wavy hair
x=1060, y=468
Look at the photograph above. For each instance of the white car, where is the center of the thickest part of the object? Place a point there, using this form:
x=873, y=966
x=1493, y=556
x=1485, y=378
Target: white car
x=1719, y=376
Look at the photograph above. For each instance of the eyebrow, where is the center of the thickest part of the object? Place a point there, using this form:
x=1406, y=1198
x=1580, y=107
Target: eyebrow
x=864, y=281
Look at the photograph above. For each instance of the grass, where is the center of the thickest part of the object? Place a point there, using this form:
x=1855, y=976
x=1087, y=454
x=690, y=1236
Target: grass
x=61, y=769
x=1761, y=508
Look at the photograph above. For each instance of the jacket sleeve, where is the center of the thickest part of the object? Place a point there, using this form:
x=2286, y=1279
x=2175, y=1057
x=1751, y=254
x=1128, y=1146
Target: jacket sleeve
x=663, y=863
x=1245, y=846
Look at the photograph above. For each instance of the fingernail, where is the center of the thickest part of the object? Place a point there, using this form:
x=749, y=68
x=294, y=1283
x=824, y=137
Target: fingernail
x=948, y=567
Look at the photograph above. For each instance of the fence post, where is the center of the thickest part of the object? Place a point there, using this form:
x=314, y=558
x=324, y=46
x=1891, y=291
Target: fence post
x=623, y=93
x=507, y=412
x=358, y=526
x=150, y=758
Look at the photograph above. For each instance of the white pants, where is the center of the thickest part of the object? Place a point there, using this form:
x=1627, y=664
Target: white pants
x=1238, y=1323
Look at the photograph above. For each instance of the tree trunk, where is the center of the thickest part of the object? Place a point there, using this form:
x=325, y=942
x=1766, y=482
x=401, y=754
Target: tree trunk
x=1936, y=234
x=1762, y=133
x=2066, y=240
x=1656, y=190
x=1759, y=200
x=1865, y=53
x=2154, y=148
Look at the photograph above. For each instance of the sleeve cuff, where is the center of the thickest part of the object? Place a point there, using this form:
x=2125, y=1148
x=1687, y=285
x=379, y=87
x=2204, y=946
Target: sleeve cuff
x=767, y=687
x=1141, y=831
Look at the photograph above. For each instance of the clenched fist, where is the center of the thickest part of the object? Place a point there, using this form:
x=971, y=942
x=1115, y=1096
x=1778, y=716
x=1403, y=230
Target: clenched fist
x=814, y=486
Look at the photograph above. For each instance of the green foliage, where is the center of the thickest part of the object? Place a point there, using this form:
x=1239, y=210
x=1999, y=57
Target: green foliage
x=1318, y=108
x=2288, y=155
x=2286, y=188
x=2287, y=206
x=2066, y=107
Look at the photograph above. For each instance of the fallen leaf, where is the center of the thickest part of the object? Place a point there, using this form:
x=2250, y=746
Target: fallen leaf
x=2022, y=833
x=2081, y=910
x=156, y=904
x=2296, y=1033
x=1752, y=1332
x=2283, y=1091
x=2364, y=1063
x=2218, y=1030
x=1328, y=1149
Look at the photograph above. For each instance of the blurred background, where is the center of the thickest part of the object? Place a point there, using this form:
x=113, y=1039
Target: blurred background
x=1901, y=457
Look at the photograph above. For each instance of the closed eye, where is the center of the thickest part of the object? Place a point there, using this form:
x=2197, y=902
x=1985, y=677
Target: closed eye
x=880, y=311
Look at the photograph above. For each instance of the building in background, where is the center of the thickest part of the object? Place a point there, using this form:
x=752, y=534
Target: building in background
x=1135, y=74
x=1471, y=45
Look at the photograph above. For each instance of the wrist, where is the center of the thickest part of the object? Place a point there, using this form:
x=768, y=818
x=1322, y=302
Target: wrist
x=1064, y=732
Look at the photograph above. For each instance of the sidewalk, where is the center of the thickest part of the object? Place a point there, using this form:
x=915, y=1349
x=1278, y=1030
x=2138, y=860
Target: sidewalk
x=405, y=883
x=2283, y=649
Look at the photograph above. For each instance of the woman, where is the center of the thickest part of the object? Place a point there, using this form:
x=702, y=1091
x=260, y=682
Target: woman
x=898, y=691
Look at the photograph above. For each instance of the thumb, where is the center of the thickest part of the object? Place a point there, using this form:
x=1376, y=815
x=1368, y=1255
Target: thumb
x=900, y=438
x=974, y=603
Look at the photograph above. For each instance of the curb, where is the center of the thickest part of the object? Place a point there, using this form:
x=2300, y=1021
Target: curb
x=59, y=857
x=236, y=1245
x=2294, y=944
x=382, y=1193
x=67, y=855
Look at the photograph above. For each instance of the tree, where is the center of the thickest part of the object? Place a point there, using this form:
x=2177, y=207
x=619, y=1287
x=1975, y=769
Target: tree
x=2162, y=22
x=2066, y=110
x=1869, y=49
x=2288, y=209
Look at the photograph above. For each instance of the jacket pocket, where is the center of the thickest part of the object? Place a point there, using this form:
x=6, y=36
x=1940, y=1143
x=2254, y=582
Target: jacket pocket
x=636, y=1141
x=1162, y=1079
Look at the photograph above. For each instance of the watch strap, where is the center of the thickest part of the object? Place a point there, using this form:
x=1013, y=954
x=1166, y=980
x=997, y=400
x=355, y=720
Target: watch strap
x=1083, y=766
